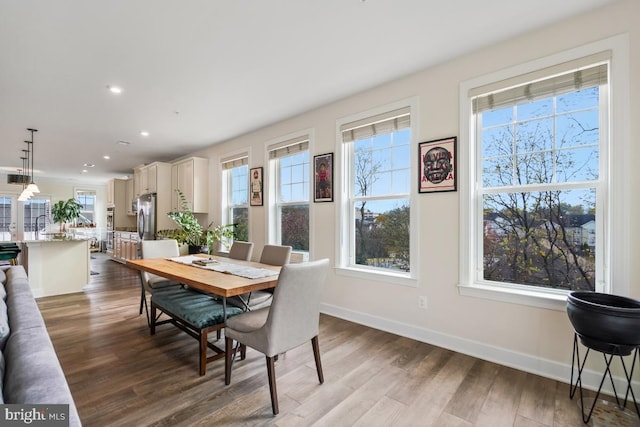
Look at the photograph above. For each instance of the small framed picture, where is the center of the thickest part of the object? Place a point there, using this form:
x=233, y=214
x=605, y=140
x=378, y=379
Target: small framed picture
x=255, y=178
x=323, y=178
x=437, y=165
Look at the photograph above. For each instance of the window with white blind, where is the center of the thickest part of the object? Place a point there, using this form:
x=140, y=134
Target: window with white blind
x=235, y=195
x=536, y=209
x=289, y=208
x=376, y=217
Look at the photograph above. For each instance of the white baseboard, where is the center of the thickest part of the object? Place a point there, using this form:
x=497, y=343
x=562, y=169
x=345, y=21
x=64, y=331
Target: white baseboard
x=521, y=361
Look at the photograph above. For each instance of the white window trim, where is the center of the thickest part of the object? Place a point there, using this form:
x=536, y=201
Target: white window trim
x=271, y=191
x=344, y=214
x=616, y=262
x=224, y=188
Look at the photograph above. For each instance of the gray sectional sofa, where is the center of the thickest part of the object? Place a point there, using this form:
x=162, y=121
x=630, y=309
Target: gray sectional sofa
x=29, y=367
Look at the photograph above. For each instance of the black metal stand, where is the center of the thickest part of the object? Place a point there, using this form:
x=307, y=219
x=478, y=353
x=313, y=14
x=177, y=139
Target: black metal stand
x=609, y=351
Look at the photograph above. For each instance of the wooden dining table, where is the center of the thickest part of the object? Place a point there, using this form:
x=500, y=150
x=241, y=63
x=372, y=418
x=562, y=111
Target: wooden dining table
x=224, y=285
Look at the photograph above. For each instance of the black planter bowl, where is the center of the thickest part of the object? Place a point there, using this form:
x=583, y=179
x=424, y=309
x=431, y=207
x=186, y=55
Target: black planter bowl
x=604, y=322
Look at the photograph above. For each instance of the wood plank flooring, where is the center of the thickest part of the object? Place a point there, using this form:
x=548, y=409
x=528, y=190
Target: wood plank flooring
x=121, y=376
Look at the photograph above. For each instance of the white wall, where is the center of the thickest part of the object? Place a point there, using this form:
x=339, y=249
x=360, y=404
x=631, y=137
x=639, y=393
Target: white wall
x=533, y=339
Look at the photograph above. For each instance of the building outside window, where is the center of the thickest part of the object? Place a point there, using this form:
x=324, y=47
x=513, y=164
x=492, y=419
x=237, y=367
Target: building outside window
x=235, y=176
x=377, y=170
x=538, y=204
x=289, y=168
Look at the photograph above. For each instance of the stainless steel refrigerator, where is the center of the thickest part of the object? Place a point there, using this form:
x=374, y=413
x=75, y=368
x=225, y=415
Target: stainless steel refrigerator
x=147, y=216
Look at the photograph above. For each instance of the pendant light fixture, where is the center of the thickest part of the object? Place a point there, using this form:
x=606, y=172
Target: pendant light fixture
x=25, y=195
x=32, y=187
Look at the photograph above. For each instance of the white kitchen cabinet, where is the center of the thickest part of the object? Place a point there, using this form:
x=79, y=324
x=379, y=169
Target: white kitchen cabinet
x=130, y=197
x=191, y=177
x=125, y=246
x=110, y=193
x=151, y=178
x=120, y=203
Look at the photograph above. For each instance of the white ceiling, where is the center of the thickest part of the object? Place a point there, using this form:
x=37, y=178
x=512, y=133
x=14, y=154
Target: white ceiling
x=198, y=72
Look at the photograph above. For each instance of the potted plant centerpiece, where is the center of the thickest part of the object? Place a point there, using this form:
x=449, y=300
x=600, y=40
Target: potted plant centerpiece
x=65, y=211
x=191, y=233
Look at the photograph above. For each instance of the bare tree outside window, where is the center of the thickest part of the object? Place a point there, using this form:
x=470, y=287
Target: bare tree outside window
x=539, y=176
x=380, y=188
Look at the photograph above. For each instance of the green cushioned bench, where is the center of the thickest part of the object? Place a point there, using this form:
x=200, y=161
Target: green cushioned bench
x=195, y=313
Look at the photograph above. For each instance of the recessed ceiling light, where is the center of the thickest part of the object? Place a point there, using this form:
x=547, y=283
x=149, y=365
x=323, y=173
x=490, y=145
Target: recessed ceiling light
x=84, y=171
x=89, y=165
x=144, y=133
x=106, y=157
x=114, y=89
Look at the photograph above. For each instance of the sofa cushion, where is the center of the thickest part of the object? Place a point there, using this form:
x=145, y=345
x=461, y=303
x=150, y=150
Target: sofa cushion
x=4, y=325
x=33, y=373
x=22, y=308
x=2, y=366
x=16, y=272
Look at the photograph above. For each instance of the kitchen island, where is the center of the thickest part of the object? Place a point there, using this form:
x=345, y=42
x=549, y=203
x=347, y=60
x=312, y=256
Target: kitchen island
x=56, y=266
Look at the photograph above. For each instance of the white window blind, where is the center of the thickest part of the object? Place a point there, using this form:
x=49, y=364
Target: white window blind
x=288, y=147
x=234, y=162
x=371, y=126
x=569, y=77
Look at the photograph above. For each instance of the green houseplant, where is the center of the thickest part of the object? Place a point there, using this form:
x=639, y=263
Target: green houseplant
x=65, y=211
x=192, y=233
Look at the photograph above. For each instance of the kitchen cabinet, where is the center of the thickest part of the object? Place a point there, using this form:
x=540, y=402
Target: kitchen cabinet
x=125, y=246
x=152, y=178
x=191, y=177
x=110, y=193
x=130, y=197
x=119, y=203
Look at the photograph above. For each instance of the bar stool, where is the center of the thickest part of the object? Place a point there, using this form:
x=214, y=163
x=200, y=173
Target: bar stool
x=9, y=252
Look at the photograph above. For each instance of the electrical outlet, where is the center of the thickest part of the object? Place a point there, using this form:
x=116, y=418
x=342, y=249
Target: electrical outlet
x=422, y=302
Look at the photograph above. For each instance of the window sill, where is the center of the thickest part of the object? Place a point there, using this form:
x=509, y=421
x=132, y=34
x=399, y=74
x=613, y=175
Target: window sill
x=378, y=276
x=555, y=300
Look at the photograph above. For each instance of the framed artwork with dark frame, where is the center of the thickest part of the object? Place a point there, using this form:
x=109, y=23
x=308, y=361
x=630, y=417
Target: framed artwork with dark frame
x=255, y=176
x=437, y=165
x=323, y=178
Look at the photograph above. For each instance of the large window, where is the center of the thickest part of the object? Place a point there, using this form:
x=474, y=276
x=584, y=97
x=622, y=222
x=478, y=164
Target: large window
x=236, y=195
x=7, y=218
x=36, y=213
x=540, y=195
x=377, y=169
x=87, y=199
x=289, y=168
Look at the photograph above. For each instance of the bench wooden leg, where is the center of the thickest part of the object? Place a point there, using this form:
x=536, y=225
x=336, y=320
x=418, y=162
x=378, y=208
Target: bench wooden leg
x=228, y=359
x=152, y=326
x=203, y=351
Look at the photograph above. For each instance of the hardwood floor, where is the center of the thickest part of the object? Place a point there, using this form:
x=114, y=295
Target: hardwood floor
x=121, y=376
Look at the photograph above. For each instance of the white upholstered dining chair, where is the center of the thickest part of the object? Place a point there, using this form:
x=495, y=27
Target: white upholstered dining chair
x=241, y=250
x=272, y=255
x=291, y=320
x=165, y=248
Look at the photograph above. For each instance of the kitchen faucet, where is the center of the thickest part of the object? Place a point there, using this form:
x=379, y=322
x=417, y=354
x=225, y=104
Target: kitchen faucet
x=37, y=231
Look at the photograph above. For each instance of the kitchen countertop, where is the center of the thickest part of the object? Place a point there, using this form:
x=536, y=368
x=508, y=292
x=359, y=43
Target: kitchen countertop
x=53, y=239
